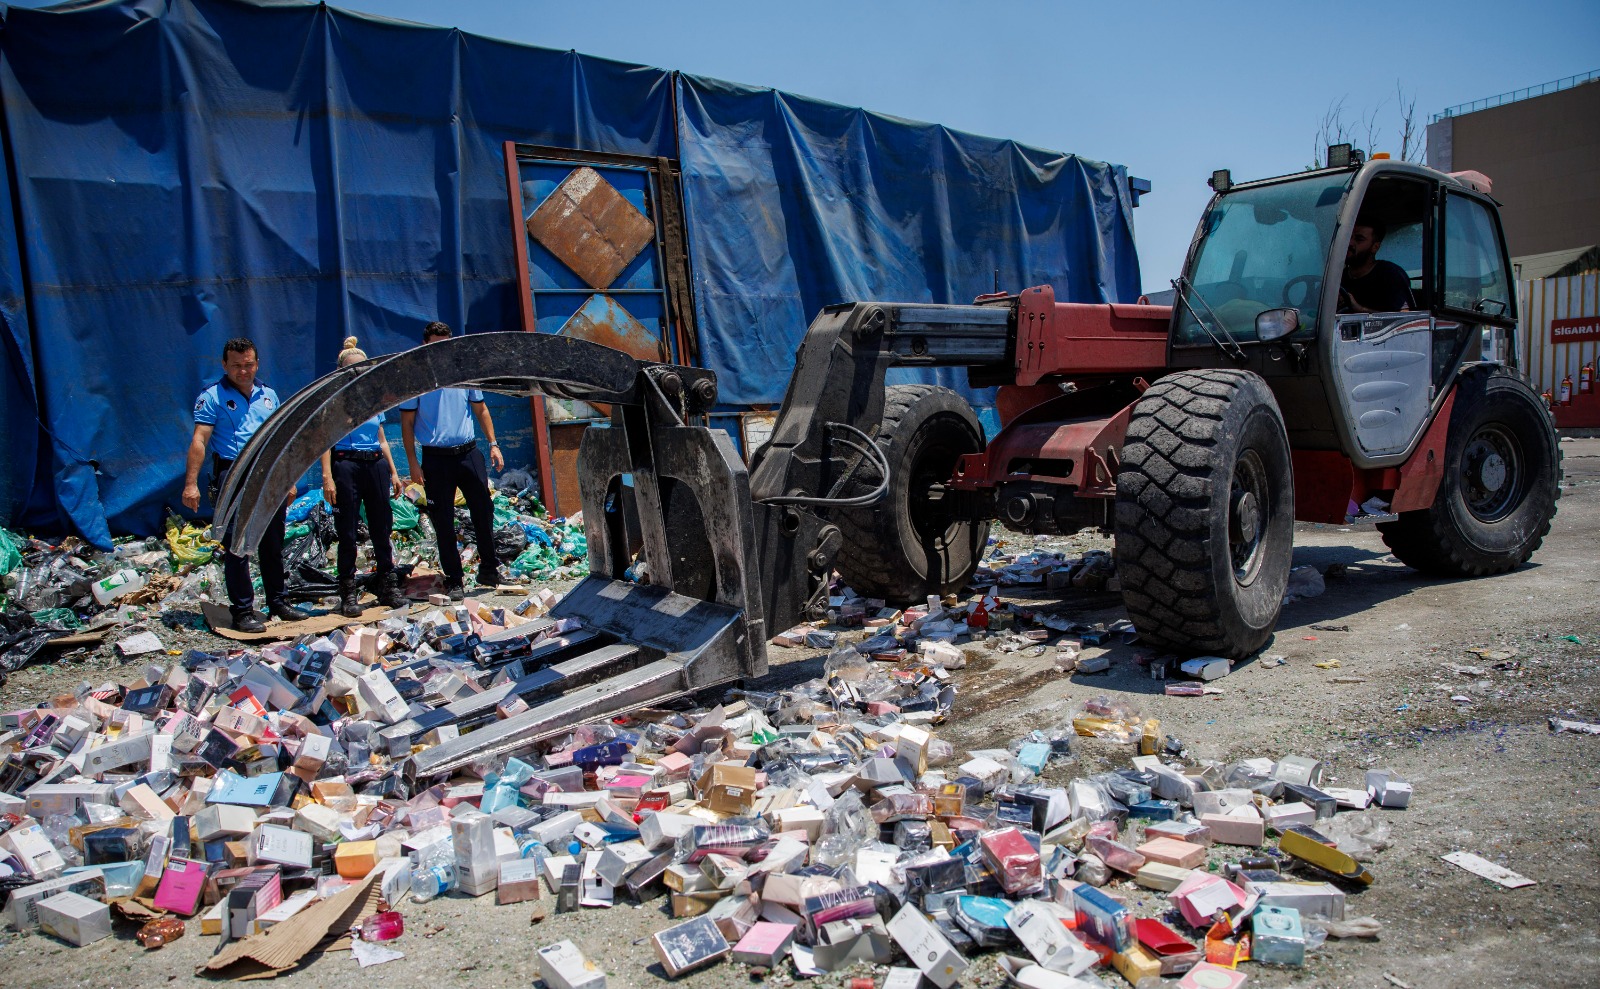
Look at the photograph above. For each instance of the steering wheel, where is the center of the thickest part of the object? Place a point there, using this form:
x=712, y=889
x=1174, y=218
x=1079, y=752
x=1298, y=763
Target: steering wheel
x=1221, y=292
x=1310, y=290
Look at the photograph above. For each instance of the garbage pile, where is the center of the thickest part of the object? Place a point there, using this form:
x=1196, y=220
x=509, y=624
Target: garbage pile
x=51, y=591
x=269, y=799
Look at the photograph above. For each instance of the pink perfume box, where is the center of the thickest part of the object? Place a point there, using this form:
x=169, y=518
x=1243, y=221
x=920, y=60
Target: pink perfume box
x=181, y=885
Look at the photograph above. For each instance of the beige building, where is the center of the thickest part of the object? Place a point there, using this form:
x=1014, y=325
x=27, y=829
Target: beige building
x=1541, y=148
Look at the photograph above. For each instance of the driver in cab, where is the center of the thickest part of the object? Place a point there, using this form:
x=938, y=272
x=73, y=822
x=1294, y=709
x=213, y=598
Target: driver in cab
x=1372, y=285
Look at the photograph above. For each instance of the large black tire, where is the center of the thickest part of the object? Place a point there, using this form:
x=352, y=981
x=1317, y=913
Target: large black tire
x=1205, y=513
x=906, y=547
x=1502, y=476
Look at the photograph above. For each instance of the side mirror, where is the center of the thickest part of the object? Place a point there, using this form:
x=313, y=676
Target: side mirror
x=1275, y=324
x=1491, y=307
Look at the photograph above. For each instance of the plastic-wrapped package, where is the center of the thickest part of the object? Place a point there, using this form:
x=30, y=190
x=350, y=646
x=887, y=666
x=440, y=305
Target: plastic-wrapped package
x=1014, y=859
x=847, y=827
x=900, y=806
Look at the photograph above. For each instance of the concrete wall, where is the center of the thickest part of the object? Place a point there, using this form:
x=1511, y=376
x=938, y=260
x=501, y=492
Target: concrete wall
x=1543, y=155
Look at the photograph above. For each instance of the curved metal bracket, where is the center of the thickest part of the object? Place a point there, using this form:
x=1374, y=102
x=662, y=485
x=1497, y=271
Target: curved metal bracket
x=315, y=417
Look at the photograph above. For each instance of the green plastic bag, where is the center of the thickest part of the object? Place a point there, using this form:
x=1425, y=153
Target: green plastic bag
x=10, y=553
x=405, y=514
x=504, y=514
x=59, y=617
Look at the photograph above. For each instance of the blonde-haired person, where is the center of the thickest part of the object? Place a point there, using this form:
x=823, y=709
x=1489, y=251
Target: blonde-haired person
x=359, y=471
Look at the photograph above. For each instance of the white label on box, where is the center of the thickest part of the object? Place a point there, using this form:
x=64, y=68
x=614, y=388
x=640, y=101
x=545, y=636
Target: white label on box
x=281, y=845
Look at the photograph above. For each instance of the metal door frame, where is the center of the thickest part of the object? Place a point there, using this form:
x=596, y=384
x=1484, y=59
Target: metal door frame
x=672, y=258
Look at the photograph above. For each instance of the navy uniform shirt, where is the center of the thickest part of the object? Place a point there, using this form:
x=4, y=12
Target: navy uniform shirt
x=444, y=417
x=364, y=437
x=233, y=418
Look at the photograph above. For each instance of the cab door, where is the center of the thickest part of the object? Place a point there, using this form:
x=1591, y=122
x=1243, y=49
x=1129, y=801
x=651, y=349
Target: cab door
x=1382, y=362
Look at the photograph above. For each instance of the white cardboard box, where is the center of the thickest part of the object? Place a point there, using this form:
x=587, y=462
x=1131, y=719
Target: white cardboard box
x=927, y=948
x=562, y=966
x=74, y=918
x=284, y=846
x=379, y=694
x=24, y=907
x=1037, y=924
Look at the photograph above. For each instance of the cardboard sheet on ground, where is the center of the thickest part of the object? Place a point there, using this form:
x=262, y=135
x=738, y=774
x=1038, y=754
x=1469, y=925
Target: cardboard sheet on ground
x=284, y=946
x=219, y=619
x=77, y=639
x=1479, y=866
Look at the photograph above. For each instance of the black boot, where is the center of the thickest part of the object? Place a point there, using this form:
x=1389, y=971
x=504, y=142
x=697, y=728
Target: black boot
x=489, y=577
x=284, y=611
x=246, y=620
x=349, y=603
x=389, y=591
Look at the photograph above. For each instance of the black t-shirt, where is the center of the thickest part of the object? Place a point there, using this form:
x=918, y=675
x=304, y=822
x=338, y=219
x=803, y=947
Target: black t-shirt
x=1386, y=288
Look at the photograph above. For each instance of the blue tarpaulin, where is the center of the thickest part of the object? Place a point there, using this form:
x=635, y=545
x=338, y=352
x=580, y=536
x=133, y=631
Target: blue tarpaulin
x=180, y=172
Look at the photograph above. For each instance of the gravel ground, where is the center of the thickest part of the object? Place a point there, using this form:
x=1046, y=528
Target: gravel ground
x=1490, y=778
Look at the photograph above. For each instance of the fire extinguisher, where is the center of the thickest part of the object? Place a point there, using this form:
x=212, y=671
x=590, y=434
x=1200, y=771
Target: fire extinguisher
x=1586, y=379
x=1549, y=399
x=1566, y=390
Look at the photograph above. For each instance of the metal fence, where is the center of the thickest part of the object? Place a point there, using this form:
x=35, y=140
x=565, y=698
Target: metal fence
x=1525, y=93
x=1545, y=357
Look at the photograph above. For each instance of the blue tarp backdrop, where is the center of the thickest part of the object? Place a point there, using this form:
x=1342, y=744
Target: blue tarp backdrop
x=179, y=172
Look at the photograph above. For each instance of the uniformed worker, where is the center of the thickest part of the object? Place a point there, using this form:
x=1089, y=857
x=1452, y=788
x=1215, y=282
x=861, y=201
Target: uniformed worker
x=359, y=473
x=226, y=415
x=442, y=421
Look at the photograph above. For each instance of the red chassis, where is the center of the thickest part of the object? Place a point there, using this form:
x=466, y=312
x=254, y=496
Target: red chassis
x=1079, y=369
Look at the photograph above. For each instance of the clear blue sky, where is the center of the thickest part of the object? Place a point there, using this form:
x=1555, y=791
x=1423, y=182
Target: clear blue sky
x=1171, y=90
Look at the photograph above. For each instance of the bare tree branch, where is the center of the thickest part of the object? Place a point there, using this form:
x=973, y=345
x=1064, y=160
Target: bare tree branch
x=1367, y=128
x=1332, y=130
x=1411, y=143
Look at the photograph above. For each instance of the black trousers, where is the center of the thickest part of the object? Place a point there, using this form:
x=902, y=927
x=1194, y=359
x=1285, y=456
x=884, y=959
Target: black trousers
x=269, y=556
x=442, y=474
x=358, y=484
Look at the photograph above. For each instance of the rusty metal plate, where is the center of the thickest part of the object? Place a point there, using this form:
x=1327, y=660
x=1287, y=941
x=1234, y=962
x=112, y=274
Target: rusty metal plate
x=602, y=320
x=588, y=224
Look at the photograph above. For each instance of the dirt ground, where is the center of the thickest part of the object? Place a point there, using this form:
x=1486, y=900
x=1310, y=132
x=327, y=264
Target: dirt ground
x=1489, y=777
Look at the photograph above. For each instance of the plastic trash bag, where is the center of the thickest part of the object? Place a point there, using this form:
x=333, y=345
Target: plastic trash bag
x=189, y=544
x=516, y=481
x=406, y=516
x=1318, y=931
x=21, y=638
x=305, y=563
x=59, y=619
x=504, y=512
x=10, y=552
x=320, y=519
x=1304, y=582
x=1361, y=836
x=303, y=505
x=509, y=542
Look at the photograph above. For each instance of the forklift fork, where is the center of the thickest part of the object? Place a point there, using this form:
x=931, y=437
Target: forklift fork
x=696, y=618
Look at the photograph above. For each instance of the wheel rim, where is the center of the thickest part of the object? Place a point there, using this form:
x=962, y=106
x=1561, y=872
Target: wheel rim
x=933, y=518
x=1247, y=521
x=1492, y=473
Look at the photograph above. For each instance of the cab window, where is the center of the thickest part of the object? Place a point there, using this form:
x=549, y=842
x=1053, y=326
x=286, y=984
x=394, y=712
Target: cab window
x=1474, y=271
x=1386, y=258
